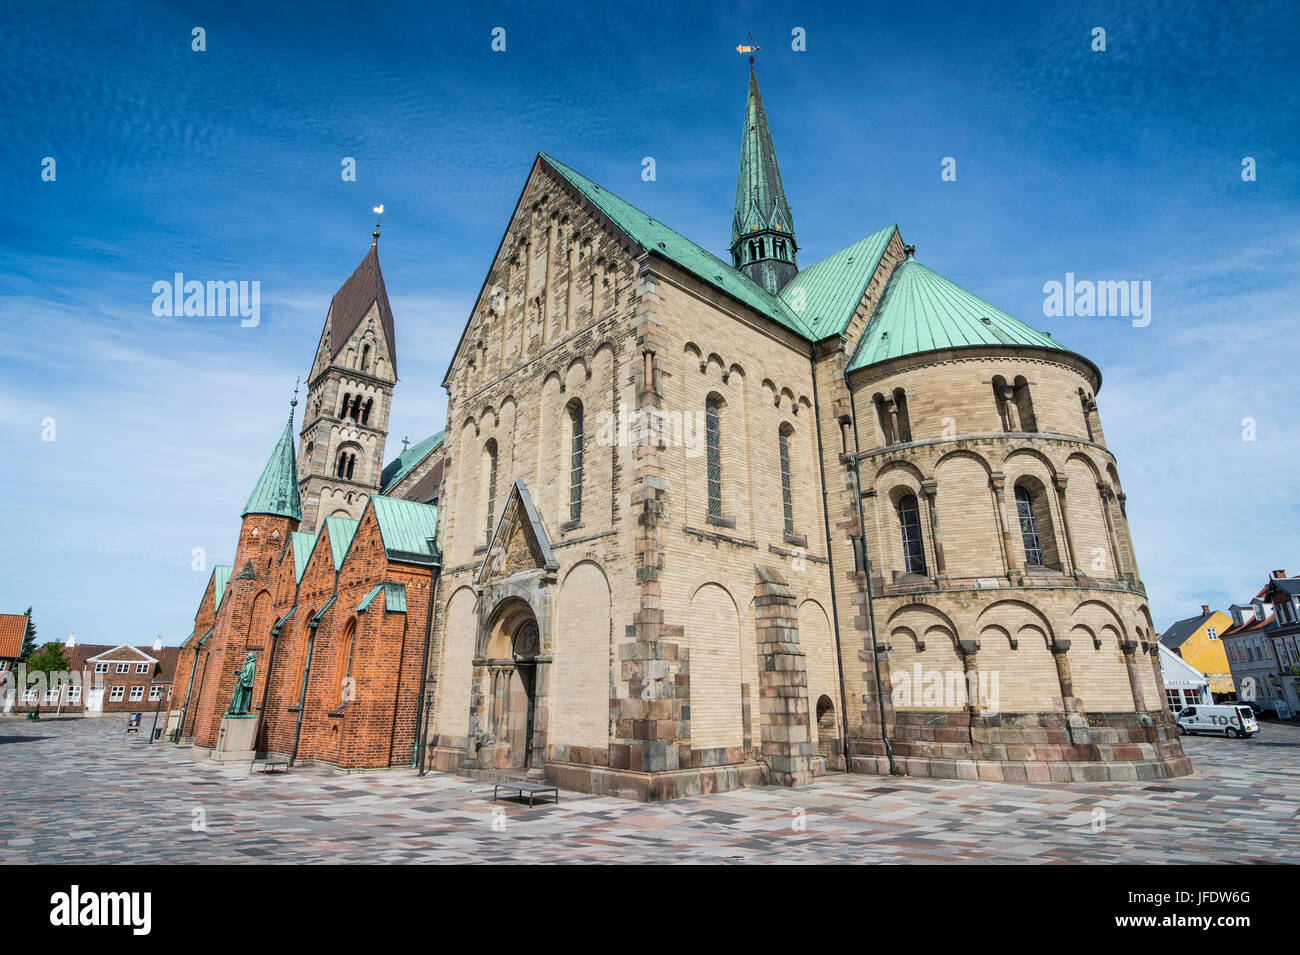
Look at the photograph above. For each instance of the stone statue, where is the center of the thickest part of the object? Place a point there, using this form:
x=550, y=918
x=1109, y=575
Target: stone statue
x=243, y=697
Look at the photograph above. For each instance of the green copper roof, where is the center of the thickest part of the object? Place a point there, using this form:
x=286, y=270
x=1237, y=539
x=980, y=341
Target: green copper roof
x=826, y=295
x=407, y=529
x=394, y=598
x=342, y=530
x=760, y=196
x=302, y=544
x=923, y=311
x=657, y=238
x=276, y=491
x=401, y=465
x=220, y=577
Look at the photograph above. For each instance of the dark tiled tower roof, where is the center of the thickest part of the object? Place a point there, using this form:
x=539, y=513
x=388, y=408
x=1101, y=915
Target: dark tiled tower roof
x=351, y=303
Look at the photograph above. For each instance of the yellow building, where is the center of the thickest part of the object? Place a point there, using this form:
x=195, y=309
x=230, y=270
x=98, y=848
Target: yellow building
x=1196, y=640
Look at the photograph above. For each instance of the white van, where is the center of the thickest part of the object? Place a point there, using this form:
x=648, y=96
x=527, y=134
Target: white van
x=1230, y=720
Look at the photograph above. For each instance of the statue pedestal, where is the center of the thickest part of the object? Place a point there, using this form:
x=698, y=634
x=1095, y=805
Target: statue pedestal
x=236, y=740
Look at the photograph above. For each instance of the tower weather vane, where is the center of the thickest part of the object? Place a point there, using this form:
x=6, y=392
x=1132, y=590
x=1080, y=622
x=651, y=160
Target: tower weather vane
x=751, y=49
x=379, y=214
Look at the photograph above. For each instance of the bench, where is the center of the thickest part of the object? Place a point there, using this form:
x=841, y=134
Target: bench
x=269, y=766
x=532, y=790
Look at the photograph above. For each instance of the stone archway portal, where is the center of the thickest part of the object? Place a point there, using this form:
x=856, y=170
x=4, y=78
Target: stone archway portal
x=513, y=662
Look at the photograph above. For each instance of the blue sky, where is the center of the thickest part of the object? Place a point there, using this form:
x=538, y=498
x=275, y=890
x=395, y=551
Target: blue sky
x=225, y=164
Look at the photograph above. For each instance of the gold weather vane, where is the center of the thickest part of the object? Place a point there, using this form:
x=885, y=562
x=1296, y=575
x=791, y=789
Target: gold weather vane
x=379, y=214
x=751, y=49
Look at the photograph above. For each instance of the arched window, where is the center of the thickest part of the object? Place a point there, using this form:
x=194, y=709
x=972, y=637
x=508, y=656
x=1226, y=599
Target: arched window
x=1088, y=406
x=1029, y=527
x=365, y=357
x=780, y=248
x=490, y=450
x=753, y=250
x=787, y=499
x=343, y=669
x=352, y=464
x=1024, y=405
x=341, y=468
x=909, y=522
x=1002, y=395
x=884, y=418
x=903, y=422
x=575, y=461
x=365, y=412
x=713, y=453
x=347, y=404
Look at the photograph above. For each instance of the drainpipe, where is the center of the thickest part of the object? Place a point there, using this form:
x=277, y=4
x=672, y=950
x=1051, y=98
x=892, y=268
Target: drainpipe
x=866, y=571
x=180, y=728
x=830, y=561
x=302, y=700
x=421, y=718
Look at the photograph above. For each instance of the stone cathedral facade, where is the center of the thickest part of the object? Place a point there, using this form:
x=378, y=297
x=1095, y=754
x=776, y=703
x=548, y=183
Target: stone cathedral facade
x=707, y=524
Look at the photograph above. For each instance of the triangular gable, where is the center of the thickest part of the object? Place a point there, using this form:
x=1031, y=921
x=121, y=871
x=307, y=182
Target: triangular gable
x=406, y=462
x=658, y=239
x=106, y=656
x=220, y=577
x=519, y=542
x=302, y=544
x=1175, y=671
x=827, y=293
x=341, y=531
x=407, y=529
x=632, y=226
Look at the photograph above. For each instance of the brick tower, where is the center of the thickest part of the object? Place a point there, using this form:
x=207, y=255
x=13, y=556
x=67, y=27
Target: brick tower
x=350, y=391
x=244, y=618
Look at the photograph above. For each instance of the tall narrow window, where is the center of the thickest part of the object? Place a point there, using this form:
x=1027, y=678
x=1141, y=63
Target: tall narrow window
x=902, y=423
x=1024, y=405
x=365, y=358
x=365, y=412
x=575, y=462
x=787, y=501
x=1028, y=526
x=713, y=454
x=909, y=521
x=491, y=450
x=343, y=673
x=352, y=464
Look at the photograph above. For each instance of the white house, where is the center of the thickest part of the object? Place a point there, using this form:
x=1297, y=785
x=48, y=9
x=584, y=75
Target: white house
x=1184, y=684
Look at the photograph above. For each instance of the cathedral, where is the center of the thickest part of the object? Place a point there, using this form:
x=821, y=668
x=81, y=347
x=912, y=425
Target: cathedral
x=691, y=525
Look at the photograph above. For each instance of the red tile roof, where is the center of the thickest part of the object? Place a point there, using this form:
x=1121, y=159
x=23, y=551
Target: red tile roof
x=13, y=626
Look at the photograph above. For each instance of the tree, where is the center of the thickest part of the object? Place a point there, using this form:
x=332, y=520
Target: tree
x=47, y=661
x=29, y=638
x=50, y=658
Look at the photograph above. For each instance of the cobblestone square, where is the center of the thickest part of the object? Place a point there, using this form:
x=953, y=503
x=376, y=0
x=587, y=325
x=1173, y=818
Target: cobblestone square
x=80, y=791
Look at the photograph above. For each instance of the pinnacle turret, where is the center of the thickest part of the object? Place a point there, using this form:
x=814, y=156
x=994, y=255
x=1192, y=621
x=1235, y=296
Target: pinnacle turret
x=763, y=245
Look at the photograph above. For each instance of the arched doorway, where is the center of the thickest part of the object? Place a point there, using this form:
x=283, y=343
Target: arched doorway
x=827, y=732
x=527, y=646
x=513, y=660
